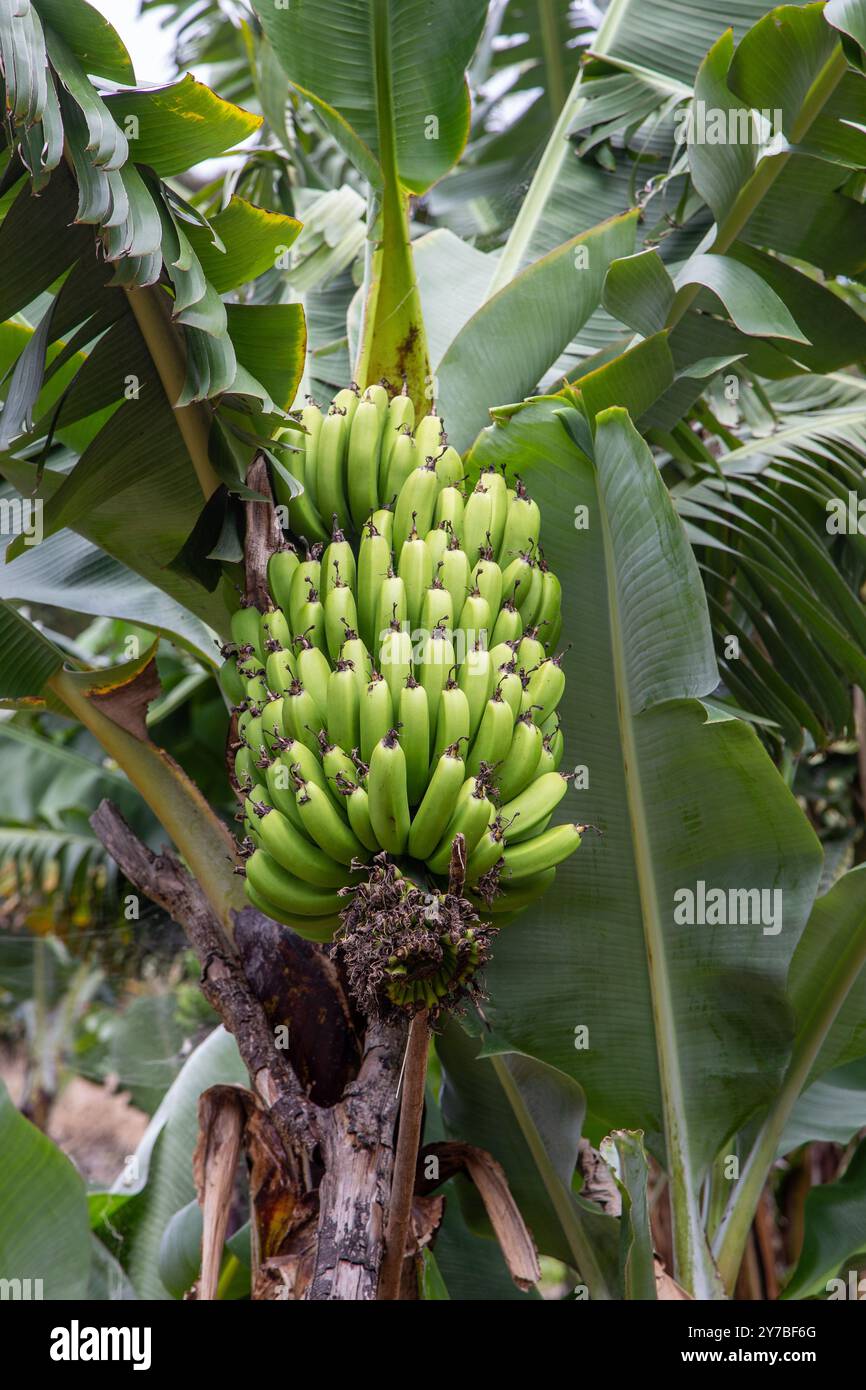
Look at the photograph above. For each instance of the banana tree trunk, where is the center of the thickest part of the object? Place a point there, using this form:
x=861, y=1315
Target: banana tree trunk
x=325, y=1079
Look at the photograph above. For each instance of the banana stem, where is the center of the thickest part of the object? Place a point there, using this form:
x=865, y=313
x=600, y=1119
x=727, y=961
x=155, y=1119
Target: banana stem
x=202, y=839
x=406, y=1159
x=151, y=312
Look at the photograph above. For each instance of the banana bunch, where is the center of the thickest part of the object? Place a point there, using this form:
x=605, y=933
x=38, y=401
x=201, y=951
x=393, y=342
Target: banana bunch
x=402, y=689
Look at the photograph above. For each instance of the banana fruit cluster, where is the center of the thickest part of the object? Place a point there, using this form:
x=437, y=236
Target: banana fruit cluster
x=403, y=688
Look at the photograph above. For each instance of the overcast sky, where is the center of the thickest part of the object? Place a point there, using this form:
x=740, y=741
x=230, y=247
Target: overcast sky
x=149, y=45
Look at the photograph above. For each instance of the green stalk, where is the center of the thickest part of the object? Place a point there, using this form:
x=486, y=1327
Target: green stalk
x=150, y=309
x=584, y=1261
x=555, y=72
x=393, y=343
x=203, y=841
x=734, y=1229
x=556, y=151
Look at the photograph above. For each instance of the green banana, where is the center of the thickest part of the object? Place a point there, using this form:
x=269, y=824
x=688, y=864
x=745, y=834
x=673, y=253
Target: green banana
x=326, y=826
x=415, y=568
x=387, y=791
x=358, y=811
x=436, y=607
x=357, y=805
x=314, y=672
x=395, y=661
x=340, y=612
x=336, y=763
x=338, y=563
x=307, y=575
x=374, y=561
x=487, y=579
x=312, y=928
x=354, y=651
x=377, y=714
x=430, y=436
x=304, y=519
x=449, y=467
x=476, y=679
x=311, y=620
x=280, y=671
x=508, y=626
x=246, y=630
x=416, y=503
x=522, y=525
x=413, y=717
x=452, y=721
x=365, y=436
x=520, y=764
x=477, y=520
x=537, y=802
x=472, y=815
x=437, y=541
x=344, y=705
x=302, y=717
x=275, y=883
x=475, y=624
x=486, y=853
x=437, y=805
x=332, y=449
x=281, y=569
x=493, y=739
x=545, y=689
x=531, y=857
x=516, y=898
x=401, y=417
x=390, y=608
x=280, y=783
x=455, y=577
x=496, y=486
x=401, y=464
x=450, y=507
x=437, y=659
x=287, y=846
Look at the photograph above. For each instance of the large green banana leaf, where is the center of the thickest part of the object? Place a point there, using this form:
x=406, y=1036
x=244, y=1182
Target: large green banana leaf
x=378, y=71
x=689, y=1026
x=43, y=1212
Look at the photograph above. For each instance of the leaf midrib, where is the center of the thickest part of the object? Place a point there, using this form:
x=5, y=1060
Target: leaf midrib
x=688, y=1234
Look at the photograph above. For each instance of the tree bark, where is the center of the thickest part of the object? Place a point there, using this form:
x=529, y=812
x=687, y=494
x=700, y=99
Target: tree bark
x=350, y=1143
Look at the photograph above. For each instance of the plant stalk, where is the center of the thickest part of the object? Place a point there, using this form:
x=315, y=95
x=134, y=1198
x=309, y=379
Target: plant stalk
x=202, y=839
x=734, y=1229
x=585, y=1263
x=406, y=1158
x=150, y=308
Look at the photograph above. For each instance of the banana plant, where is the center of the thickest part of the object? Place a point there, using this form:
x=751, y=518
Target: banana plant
x=681, y=476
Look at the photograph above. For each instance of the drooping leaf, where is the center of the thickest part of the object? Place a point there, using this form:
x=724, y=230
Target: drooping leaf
x=254, y=241
x=179, y=125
